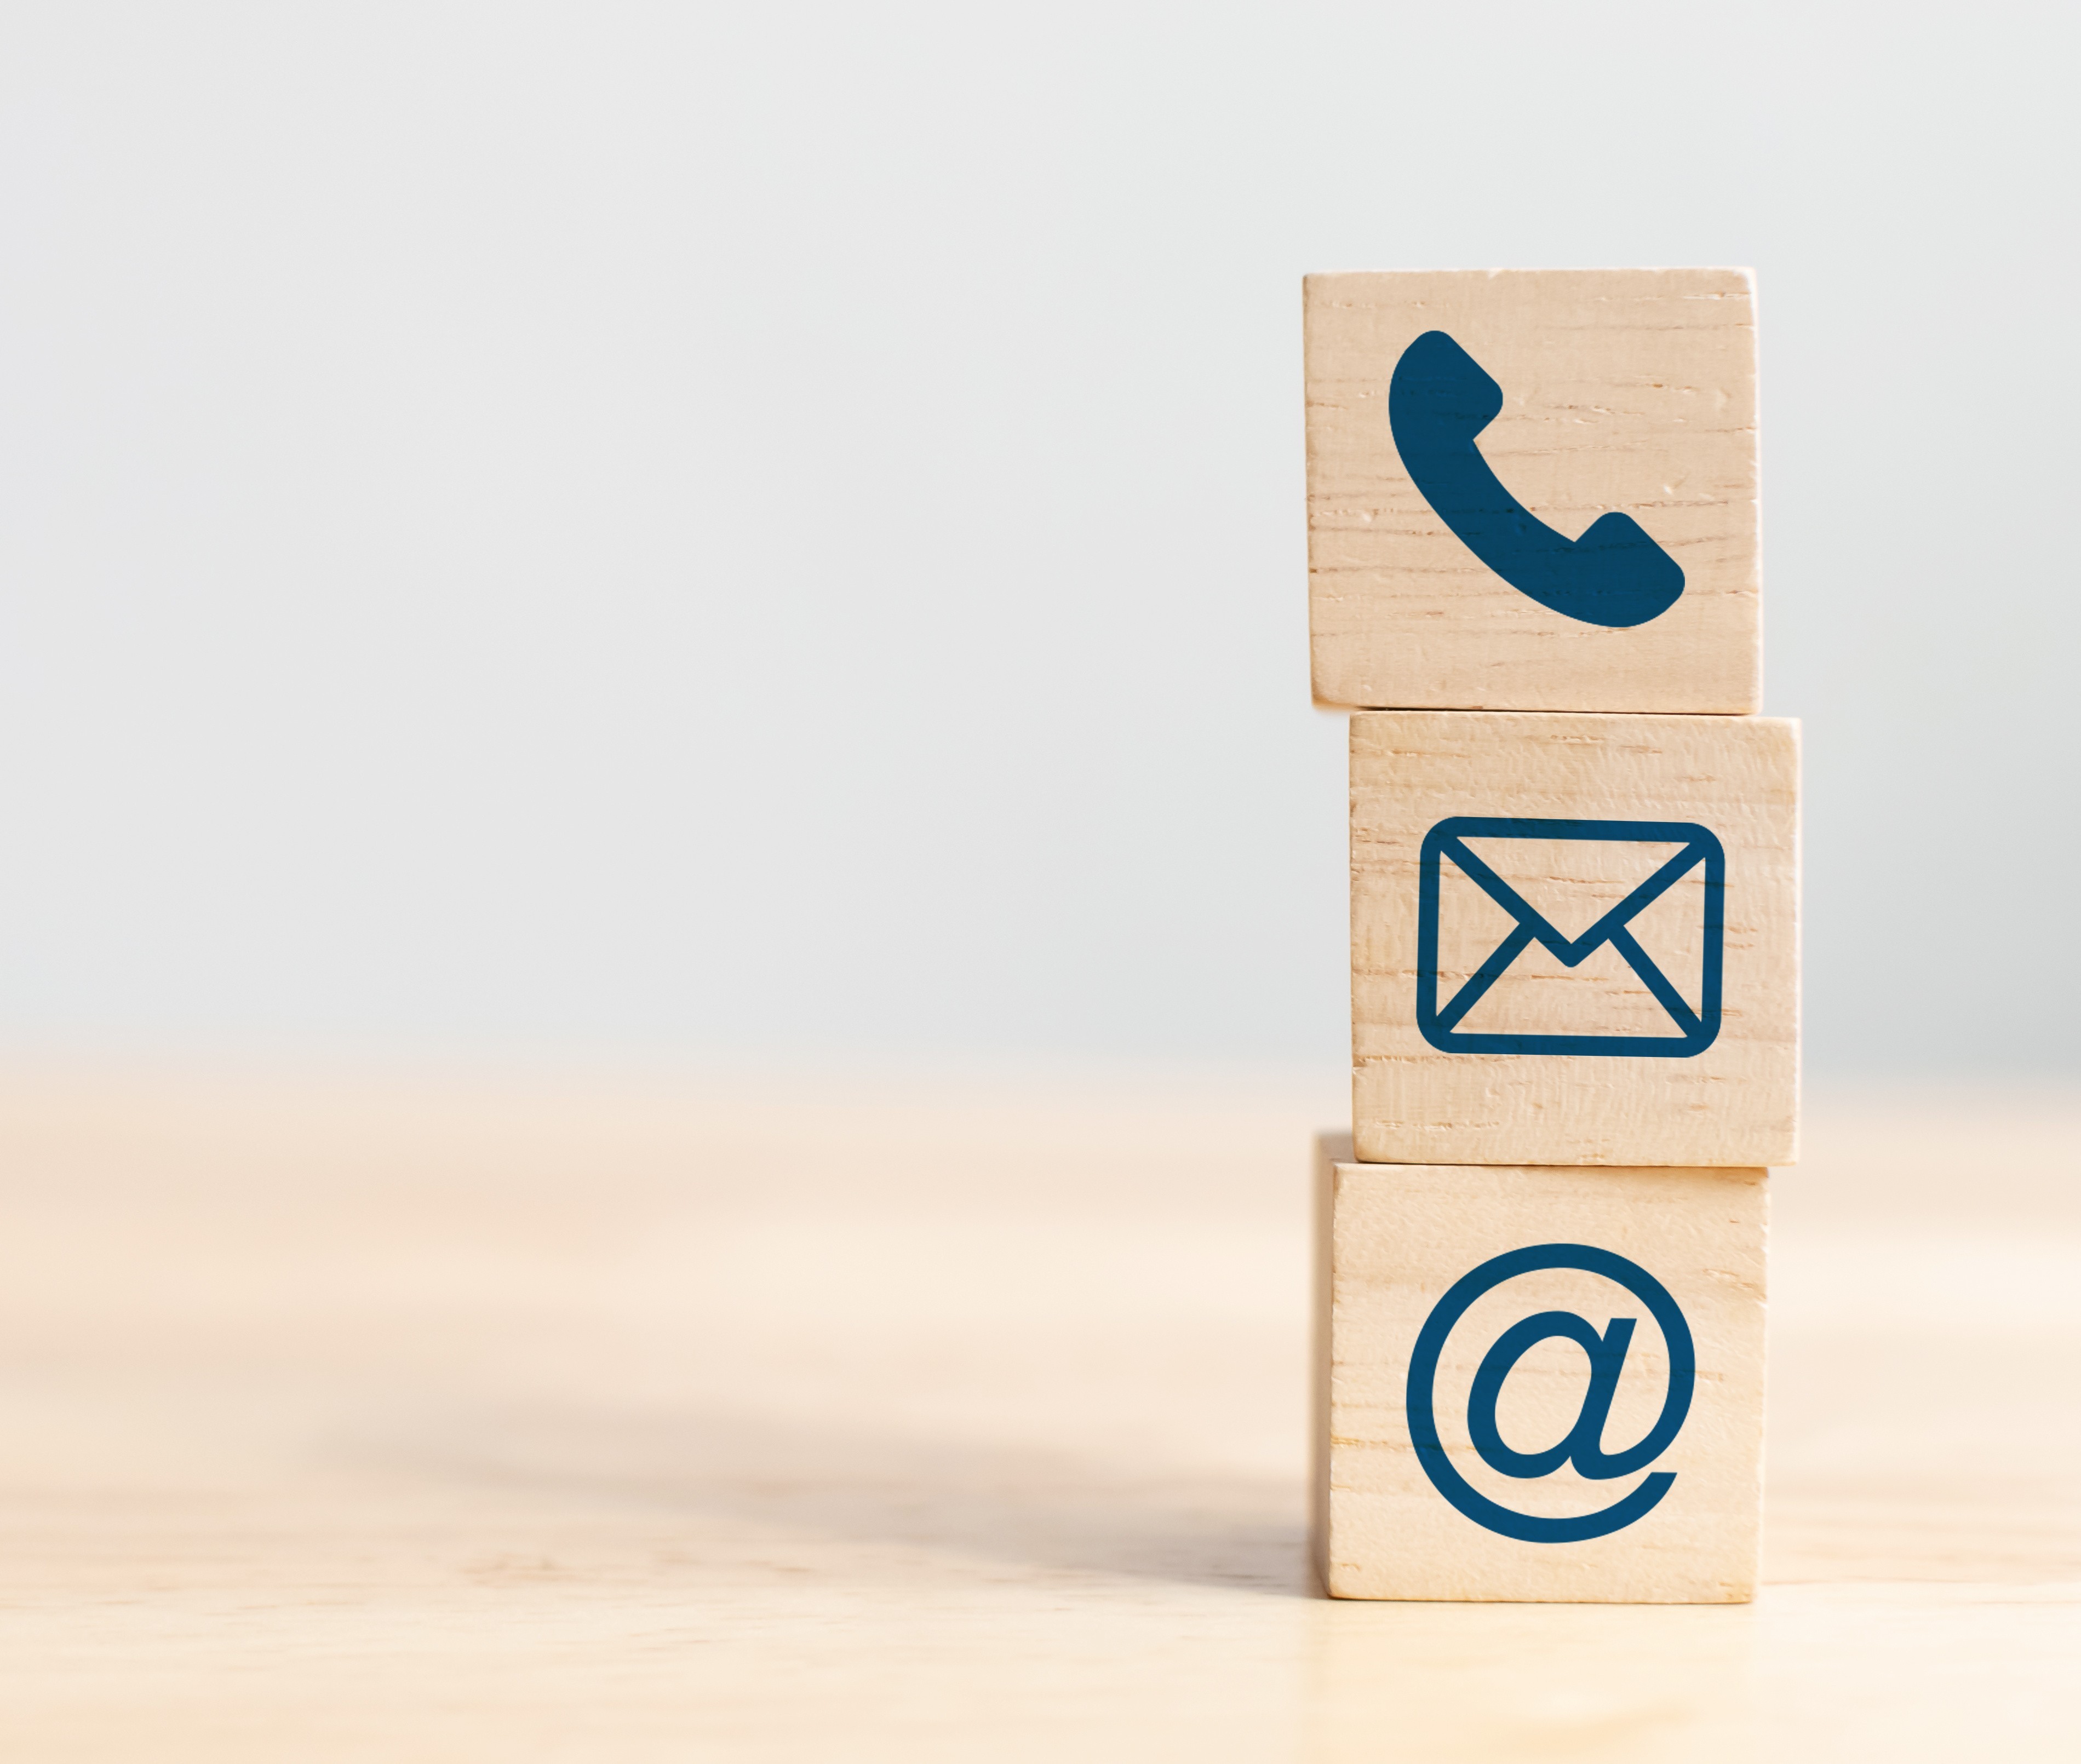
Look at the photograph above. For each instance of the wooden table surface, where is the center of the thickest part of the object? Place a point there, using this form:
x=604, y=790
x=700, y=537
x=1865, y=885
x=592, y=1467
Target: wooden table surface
x=570, y=1416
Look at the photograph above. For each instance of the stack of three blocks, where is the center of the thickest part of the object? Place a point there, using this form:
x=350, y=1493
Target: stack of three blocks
x=1534, y=581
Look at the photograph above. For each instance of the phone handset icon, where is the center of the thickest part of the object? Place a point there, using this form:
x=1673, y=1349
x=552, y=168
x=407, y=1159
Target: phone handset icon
x=1439, y=400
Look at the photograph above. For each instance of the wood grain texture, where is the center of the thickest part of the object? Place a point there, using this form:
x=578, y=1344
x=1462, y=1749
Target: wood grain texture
x=1735, y=1103
x=1392, y=1238
x=1626, y=390
x=410, y=1416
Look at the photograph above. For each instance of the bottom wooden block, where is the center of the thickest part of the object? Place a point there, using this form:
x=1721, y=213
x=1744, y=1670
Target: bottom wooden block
x=1537, y=1383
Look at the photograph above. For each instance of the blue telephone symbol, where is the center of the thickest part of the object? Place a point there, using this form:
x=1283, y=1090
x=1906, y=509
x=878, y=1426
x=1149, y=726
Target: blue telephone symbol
x=1439, y=400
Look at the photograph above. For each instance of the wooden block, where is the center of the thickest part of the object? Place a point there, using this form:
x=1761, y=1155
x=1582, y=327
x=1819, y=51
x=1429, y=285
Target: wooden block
x=1588, y=435
x=1485, y=1335
x=1521, y=993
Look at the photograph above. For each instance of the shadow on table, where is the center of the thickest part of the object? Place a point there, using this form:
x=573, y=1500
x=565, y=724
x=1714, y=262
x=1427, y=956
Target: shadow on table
x=735, y=1483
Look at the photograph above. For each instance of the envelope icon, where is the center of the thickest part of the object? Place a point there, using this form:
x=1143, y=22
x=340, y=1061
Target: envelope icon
x=1446, y=850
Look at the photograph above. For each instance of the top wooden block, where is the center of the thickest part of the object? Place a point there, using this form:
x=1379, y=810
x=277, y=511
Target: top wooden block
x=1588, y=435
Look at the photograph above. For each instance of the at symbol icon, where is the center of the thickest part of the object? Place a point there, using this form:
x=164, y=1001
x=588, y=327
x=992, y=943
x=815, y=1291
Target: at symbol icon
x=1583, y=1445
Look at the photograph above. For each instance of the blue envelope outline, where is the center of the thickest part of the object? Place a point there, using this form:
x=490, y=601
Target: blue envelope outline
x=1698, y=1029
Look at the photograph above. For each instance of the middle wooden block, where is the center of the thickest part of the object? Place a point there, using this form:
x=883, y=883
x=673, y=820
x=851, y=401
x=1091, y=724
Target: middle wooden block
x=1574, y=938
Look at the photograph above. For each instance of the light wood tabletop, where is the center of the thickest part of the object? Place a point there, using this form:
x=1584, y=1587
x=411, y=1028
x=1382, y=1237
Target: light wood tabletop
x=559, y=1415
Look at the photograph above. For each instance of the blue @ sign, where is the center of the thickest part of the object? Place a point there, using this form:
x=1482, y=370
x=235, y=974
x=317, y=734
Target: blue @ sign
x=1583, y=1445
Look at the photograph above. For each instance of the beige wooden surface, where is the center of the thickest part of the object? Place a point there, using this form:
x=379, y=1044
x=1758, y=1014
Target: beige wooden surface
x=1392, y=1238
x=1631, y=391
x=578, y=1419
x=1734, y=1103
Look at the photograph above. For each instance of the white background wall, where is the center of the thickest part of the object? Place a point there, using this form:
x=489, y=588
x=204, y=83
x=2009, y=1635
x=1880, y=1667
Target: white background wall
x=778, y=528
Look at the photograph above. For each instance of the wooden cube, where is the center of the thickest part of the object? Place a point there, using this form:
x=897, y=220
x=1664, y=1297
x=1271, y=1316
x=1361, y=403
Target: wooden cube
x=1575, y=938
x=1533, y=489
x=1537, y=1383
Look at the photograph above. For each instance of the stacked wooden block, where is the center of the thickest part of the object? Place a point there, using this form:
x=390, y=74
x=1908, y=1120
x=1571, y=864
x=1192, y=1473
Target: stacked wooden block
x=1532, y=556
